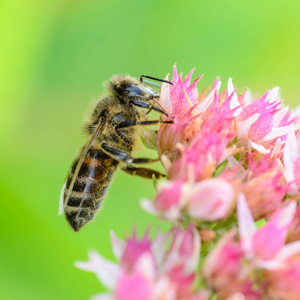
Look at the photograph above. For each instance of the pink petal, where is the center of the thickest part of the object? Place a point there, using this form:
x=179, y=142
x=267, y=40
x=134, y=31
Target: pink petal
x=175, y=75
x=210, y=199
x=188, y=78
x=169, y=194
x=204, y=104
x=261, y=127
x=246, y=222
x=290, y=152
x=133, y=286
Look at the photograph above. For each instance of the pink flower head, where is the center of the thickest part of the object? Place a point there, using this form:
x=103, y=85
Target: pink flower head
x=266, y=246
x=283, y=283
x=205, y=152
x=134, y=249
x=210, y=199
x=126, y=287
x=265, y=192
x=147, y=269
x=169, y=200
x=263, y=165
x=207, y=200
x=222, y=150
x=247, y=290
x=193, y=114
x=184, y=250
x=291, y=160
x=223, y=265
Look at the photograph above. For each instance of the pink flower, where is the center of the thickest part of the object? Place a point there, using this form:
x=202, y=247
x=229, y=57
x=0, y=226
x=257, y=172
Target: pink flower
x=283, y=283
x=265, y=192
x=265, y=247
x=222, y=150
x=133, y=250
x=205, y=152
x=208, y=200
x=148, y=269
x=294, y=230
x=169, y=200
x=291, y=160
x=223, y=266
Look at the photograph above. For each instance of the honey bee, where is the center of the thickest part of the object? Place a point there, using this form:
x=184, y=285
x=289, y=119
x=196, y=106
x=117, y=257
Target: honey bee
x=113, y=129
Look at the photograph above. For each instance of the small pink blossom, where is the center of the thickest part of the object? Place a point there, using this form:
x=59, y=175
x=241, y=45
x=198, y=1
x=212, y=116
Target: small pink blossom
x=265, y=192
x=210, y=199
x=283, y=283
x=206, y=151
x=223, y=265
x=265, y=247
x=147, y=269
x=133, y=250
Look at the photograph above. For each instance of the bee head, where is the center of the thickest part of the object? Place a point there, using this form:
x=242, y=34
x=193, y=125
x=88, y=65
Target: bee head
x=130, y=88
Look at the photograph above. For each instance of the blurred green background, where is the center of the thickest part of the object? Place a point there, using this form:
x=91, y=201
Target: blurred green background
x=54, y=57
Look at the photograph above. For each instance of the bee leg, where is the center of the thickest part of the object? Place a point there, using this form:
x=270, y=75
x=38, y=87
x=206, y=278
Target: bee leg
x=120, y=155
x=130, y=123
x=143, y=172
x=145, y=104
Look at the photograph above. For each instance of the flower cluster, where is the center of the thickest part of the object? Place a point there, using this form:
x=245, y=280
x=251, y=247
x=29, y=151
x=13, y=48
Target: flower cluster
x=150, y=269
x=221, y=145
x=233, y=181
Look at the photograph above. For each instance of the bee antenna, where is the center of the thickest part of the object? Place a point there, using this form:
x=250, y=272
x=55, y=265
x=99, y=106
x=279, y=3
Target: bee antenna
x=154, y=78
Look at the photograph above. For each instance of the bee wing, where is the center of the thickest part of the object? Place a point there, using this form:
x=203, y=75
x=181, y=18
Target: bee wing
x=63, y=202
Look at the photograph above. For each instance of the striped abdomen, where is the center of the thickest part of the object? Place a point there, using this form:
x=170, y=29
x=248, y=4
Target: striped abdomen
x=90, y=186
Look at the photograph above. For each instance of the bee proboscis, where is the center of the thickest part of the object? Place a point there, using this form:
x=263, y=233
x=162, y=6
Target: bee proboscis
x=113, y=129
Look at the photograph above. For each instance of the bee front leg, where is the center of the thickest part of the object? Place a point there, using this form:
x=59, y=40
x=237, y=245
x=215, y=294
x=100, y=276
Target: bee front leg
x=122, y=156
x=143, y=172
x=145, y=104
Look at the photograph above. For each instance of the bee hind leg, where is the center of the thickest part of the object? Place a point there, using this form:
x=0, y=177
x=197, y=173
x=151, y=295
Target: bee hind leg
x=122, y=156
x=143, y=172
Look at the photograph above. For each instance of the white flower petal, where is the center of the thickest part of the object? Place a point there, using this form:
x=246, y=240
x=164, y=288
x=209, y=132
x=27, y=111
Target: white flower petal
x=145, y=265
x=234, y=102
x=248, y=98
x=277, y=117
x=275, y=133
x=203, y=105
x=159, y=245
x=118, y=245
x=147, y=205
x=243, y=127
x=192, y=262
x=260, y=148
x=287, y=214
x=246, y=222
x=290, y=152
x=165, y=98
x=284, y=254
x=106, y=271
x=273, y=95
x=288, y=251
x=234, y=164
